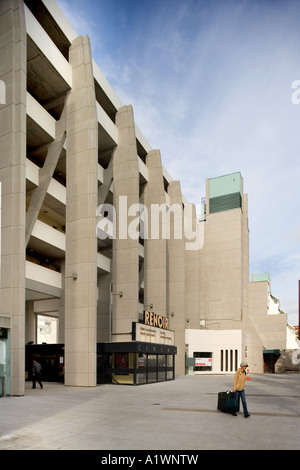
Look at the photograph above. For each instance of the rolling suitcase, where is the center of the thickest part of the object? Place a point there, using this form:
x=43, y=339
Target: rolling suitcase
x=227, y=402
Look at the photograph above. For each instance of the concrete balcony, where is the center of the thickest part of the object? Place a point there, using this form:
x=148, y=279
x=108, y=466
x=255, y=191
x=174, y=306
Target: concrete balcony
x=32, y=173
x=47, y=47
x=143, y=169
x=44, y=122
x=100, y=173
x=43, y=275
x=49, y=236
x=106, y=87
x=108, y=134
x=103, y=263
x=56, y=195
x=42, y=283
x=57, y=191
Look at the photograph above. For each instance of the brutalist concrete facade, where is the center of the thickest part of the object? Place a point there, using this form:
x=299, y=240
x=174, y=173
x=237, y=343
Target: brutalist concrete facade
x=79, y=181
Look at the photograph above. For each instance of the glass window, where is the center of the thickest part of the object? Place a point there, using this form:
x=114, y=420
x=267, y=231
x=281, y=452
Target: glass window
x=203, y=361
x=170, y=360
x=236, y=359
x=136, y=368
x=152, y=360
x=47, y=329
x=161, y=377
x=4, y=362
x=152, y=377
x=121, y=361
x=170, y=375
x=161, y=360
x=141, y=378
x=142, y=361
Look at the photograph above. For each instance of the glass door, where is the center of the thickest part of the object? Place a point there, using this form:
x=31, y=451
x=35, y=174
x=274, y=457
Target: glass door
x=4, y=362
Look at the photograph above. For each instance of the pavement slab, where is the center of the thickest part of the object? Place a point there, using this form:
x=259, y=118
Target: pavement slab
x=177, y=415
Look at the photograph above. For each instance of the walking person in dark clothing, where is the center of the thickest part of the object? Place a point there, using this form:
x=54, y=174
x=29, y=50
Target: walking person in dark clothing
x=36, y=374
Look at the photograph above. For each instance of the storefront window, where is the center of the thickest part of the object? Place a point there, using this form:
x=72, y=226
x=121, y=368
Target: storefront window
x=152, y=377
x=170, y=375
x=121, y=361
x=161, y=363
x=152, y=360
x=203, y=361
x=4, y=362
x=142, y=361
x=161, y=360
x=134, y=367
x=142, y=368
x=161, y=376
x=170, y=360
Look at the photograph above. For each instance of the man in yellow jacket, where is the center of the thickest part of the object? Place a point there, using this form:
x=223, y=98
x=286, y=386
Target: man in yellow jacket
x=238, y=387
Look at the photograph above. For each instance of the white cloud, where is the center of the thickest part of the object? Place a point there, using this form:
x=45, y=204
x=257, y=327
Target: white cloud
x=210, y=84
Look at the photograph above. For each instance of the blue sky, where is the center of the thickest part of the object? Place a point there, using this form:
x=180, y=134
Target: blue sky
x=210, y=82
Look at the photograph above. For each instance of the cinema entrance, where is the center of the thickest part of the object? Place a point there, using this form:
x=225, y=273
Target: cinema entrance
x=135, y=363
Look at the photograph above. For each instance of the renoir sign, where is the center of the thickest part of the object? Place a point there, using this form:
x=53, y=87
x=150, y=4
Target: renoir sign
x=161, y=221
x=153, y=319
x=153, y=330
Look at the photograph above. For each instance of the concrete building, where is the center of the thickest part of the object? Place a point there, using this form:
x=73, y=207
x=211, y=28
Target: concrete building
x=97, y=237
x=237, y=309
x=225, y=256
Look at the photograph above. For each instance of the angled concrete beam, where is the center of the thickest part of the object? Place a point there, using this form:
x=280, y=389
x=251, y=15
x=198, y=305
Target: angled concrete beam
x=107, y=181
x=45, y=176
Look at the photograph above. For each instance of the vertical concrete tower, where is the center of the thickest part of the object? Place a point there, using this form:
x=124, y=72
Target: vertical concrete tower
x=13, y=177
x=125, y=281
x=81, y=241
x=224, y=263
x=155, y=264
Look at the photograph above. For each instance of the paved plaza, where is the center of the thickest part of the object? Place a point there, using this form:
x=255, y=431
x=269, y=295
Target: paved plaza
x=176, y=415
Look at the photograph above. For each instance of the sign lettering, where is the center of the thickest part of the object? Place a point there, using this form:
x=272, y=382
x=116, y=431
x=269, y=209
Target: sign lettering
x=159, y=321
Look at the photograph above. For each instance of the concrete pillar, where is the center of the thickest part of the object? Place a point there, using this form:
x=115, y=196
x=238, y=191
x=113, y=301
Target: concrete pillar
x=176, y=280
x=61, y=308
x=125, y=246
x=81, y=242
x=155, y=261
x=13, y=177
x=192, y=278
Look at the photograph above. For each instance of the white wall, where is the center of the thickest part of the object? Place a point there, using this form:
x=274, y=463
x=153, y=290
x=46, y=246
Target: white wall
x=292, y=342
x=214, y=341
x=273, y=307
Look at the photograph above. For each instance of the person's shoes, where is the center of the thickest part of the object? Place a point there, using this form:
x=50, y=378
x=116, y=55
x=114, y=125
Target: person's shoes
x=234, y=414
x=247, y=416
